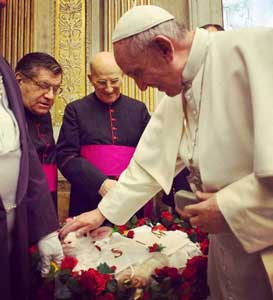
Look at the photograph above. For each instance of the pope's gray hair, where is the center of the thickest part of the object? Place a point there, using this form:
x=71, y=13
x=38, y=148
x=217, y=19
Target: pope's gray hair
x=143, y=41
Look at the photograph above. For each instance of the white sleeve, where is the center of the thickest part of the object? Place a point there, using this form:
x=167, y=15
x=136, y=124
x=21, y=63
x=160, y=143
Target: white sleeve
x=134, y=188
x=247, y=206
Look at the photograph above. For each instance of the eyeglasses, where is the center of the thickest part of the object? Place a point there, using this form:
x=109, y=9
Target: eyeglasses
x=113, y=82
x=46, y=87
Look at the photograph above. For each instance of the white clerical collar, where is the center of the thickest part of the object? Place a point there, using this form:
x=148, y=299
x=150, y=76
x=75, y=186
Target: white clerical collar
x=197, y=55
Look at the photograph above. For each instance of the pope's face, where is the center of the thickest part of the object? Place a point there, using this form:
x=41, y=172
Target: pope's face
x=149, y=71
x=3, y=3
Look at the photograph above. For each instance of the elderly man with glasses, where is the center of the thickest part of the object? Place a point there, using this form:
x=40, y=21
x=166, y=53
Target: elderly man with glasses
x=39, y=76
x=99, y=135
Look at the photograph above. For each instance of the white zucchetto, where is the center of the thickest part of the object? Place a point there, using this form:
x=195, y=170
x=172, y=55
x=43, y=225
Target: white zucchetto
x=139, y=19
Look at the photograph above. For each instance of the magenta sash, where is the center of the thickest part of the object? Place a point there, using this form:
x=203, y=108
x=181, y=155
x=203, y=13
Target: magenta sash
x=51, y=176
x=111, y=160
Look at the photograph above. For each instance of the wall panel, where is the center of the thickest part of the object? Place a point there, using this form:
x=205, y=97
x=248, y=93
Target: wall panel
x=16, y=29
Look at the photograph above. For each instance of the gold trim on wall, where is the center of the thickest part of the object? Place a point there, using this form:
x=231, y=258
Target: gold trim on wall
x=70, y=52
x=16, y=30
x=113, y=10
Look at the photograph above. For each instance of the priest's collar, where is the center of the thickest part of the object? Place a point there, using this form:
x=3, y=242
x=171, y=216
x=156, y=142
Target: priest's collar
x=196, y=56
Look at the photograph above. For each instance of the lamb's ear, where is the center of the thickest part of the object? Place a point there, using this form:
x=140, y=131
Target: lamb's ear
x=101, y=233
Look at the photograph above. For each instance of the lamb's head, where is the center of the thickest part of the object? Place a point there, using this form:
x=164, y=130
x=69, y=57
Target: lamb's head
x=76, y=246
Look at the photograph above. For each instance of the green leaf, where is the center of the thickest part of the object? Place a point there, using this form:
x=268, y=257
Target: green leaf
x=115, y=229
x=193, y=237
x=61, y=292
x=133, y=220
x=74, y=285
x=104, y=269
x=112, y=285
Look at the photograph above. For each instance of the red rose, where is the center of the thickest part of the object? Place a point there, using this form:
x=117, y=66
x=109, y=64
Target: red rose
x=200, y=235
x=141, y=222
x=130, y=234
x=189, y=273
x=122, y=228
x=93, y=281
x=159, y=227
x=155, y=248
x=33, y=249
x=113, y=268
x=173, y=274
x=170, y=272
x=166, y=215
x=69, y=262
x=199, y=262
x=204, y=246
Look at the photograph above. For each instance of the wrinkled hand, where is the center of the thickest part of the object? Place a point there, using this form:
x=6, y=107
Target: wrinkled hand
x=83, y=223
x=106, y=186
x=50, y=249
x=206, y=214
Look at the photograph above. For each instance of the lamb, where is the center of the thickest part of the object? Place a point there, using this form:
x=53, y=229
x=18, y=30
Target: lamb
x=131, y=257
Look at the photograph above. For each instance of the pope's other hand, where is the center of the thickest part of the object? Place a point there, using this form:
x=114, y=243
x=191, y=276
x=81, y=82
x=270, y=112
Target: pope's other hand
x=206, y=214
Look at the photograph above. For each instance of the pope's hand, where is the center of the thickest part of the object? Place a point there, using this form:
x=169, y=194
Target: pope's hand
x=50, y=249
x=83, y=223
x=206, y=214
x=106, y=186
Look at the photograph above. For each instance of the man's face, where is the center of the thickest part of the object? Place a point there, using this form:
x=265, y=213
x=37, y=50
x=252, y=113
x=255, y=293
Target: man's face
x=39, y=91
x=107, y=84
x=149, y=71
x=3, y=3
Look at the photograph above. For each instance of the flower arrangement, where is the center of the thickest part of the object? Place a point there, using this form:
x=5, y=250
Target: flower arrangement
x=190, y=283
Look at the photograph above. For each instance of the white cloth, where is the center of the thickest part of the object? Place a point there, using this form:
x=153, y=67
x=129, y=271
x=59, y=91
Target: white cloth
x=123, y=252
x=9, y=131
x=139, y=19
x=234, y=154
x=50, y=249
x=10, y=154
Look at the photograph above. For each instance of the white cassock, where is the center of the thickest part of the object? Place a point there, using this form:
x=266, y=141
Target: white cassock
x=232, y=73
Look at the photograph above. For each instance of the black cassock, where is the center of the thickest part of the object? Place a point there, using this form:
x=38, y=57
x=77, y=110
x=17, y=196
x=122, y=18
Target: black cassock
x=41, y=134
x=94, y=140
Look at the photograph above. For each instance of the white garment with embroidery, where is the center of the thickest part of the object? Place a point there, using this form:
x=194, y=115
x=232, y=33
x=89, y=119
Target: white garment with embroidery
x=234, y=148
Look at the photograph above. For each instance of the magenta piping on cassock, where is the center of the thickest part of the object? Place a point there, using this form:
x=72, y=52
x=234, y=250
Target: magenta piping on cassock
x=50, y=171
x=111, y=160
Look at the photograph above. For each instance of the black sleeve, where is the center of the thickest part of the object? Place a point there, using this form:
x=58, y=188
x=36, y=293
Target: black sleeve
x=77, y=170
x=42, y=218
